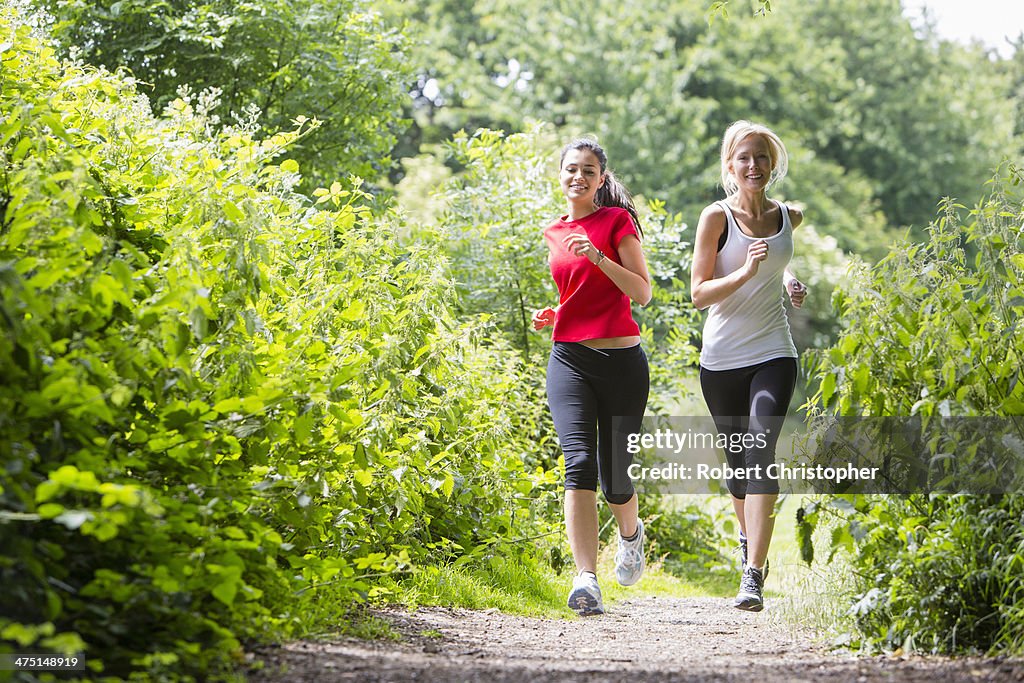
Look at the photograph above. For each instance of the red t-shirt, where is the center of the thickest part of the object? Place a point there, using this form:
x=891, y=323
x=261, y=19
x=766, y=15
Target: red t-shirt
x=592, y=306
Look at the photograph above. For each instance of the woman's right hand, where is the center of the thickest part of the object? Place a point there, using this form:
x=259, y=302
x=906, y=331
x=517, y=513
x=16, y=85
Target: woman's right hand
x=756, y=252
x=543, y=317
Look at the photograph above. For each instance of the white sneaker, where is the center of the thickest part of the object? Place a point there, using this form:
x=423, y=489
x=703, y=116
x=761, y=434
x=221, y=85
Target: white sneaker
x=629, y=560
x=585, y=597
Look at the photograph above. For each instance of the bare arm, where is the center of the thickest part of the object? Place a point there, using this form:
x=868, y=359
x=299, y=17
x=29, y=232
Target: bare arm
x=631, y=277
x=796, y=216
x=705, y=288
x=797, y=290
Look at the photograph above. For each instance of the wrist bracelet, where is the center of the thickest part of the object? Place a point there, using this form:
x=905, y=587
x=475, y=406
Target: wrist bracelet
x=600, y=260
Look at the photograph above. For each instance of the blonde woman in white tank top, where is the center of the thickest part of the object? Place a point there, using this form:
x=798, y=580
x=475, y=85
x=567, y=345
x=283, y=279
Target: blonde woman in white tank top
x=748, y=360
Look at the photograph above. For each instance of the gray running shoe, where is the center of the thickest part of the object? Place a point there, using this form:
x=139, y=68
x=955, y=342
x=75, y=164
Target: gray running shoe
x=743, y=558
x=629, y=560
x=750, y=597
x=585, y=597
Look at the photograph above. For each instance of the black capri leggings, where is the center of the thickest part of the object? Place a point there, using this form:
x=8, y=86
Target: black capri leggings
x=597, y=398
x=751, y=400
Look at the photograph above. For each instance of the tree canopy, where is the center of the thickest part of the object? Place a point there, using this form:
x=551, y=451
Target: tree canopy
x=882, y=121
x=337, y=61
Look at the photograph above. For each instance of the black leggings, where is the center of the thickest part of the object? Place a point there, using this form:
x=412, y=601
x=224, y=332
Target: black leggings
x=597, y=398
x=751, y=400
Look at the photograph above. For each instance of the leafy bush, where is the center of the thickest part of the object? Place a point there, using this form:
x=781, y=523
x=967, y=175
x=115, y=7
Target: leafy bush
x=684, y=537
x=941, y=574
x=219, y=394
x=933, y=331
x=495, y=214
x=337, y=60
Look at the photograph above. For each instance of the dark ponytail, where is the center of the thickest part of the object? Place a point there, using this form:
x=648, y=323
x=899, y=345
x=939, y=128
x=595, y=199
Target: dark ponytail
x=612, y=192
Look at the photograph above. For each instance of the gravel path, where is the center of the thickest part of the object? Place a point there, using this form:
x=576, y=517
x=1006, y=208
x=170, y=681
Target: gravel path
x=644, y=640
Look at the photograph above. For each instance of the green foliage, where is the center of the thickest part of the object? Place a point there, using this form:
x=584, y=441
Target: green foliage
x=630, y=94
x=683, y=536
x=496, y=210
x=917, y=119
x=933, y=330
x=879, y=120
x=934, y=573
x=337, y=61
x=940, y=574
x=221, y=398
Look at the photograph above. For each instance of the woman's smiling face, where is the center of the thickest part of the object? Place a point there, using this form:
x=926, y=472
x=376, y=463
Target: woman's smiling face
x=751, y=163
x=580, y=175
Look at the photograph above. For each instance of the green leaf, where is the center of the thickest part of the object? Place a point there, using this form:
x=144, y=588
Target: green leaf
x=233, y=212
x=232, y=404
x=828, y=388
x=47, y=490
x=355, y=311
x=49, y=510
x=46, y=278
x=226, y=591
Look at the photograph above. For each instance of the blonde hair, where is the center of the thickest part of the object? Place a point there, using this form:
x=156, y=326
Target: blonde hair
x=740, y=131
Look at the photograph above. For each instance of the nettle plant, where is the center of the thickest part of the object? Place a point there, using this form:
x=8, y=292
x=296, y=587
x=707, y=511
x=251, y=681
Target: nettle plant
x=933, y=331
x=221, y=398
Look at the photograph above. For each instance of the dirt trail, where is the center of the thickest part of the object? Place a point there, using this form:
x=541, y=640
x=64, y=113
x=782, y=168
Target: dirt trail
x=644, y=640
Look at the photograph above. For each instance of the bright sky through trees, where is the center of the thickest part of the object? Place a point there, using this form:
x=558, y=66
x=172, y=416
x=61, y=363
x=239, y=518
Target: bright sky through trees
x=991, y=21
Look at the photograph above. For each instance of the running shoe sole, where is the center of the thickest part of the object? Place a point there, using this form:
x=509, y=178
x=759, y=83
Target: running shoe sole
x=749, y=604
x=584, y=603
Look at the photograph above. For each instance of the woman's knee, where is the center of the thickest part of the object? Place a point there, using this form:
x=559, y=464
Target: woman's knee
x=580, y=472
x=737, y=487
x=763, y=486
x=616, y=495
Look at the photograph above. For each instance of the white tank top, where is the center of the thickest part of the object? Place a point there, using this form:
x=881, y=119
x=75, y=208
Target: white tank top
x=750, y=325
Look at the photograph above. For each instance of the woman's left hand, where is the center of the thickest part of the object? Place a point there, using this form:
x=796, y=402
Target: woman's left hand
x=580, y=245
x=797, y=291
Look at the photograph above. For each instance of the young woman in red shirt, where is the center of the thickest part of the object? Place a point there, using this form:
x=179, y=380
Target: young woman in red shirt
x=597, y=378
